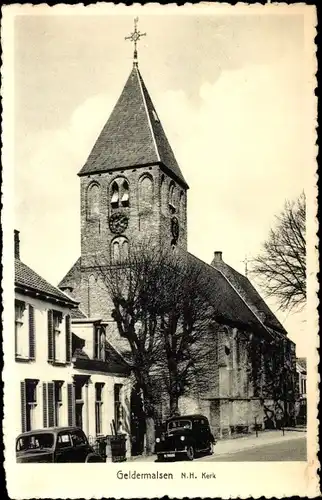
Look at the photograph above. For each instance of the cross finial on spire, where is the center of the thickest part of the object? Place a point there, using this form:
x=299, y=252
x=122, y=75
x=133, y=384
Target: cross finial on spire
x=135, y=37
x=246, y=261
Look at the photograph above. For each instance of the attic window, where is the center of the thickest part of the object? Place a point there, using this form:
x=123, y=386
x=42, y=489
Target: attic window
x=155, y=116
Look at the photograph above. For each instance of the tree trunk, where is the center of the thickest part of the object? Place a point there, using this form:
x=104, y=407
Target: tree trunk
x=150, y=435
x=174, y=404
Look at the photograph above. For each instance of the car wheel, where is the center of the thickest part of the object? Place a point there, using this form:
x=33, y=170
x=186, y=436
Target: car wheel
x=211, y=449
x=190, y=453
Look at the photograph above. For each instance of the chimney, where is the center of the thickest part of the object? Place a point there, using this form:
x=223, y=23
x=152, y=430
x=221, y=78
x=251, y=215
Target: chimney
x=17, y=244
x=217, y=256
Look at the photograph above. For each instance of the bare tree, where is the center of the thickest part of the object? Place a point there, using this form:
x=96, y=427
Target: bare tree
x=130, y=288
x=187, y=302
x=162, y=304
x=281, y=266
x=273, y=374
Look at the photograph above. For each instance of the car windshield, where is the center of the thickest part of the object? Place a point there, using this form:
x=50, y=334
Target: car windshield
x=179, y=424
x=35, y=442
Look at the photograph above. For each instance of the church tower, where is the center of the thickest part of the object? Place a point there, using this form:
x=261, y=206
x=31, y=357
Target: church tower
x=132, y=191
x=131, y=185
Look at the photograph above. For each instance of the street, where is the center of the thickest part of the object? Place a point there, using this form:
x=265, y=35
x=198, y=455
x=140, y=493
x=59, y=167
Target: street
x=288, y=450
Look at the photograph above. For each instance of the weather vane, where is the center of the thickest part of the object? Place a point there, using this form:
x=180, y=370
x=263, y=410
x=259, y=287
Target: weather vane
x=135, y=37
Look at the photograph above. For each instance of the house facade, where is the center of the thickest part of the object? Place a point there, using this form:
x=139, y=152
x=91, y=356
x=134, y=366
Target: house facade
x=132, y=189
x=301, y=413
x=61, y=380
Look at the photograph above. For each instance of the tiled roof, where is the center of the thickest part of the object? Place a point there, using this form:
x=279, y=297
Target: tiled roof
x=229, y=306
x=72, y=277
x=302, y=362
x=77, y=314
x=133, y=135
x=249, y=294
x=28, y=279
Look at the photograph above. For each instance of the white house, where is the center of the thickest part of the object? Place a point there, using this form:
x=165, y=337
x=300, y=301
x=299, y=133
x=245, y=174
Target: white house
x=101, y=380
x=302, y=402
x=65, y=373
x=42, y=350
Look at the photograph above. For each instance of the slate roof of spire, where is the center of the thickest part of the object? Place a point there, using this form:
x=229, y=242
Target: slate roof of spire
x=133, y=135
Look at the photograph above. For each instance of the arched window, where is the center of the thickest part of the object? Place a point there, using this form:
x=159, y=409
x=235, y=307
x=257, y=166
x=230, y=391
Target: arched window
x=125, y=194
x=172, y=197
x=120, y=193
x=115, y=195
x=146, y=193
x=120, y=249
x=163, y=194
x=93, y=201
x=125, y=250
x=182, y=206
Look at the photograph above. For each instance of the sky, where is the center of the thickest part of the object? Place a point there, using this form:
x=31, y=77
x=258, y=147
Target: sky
x=234, y=95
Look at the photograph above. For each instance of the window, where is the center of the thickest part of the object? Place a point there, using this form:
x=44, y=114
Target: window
x=120, y=193
x=120, y=249
x=58, y=401
x=125, y=194
x=146, y=193
x=99, y=343
x=115, y=195
x=35, y=442
x=59, y=339
x=31, y=404
x=93, y=201
x=164, y=192
x=79, y=403
x=98, y=407
x=172, y=201
x=63, y=440
x=78, y=438
x=117, y=405
x=182, y=207
x=21, y=330
x=303, y=386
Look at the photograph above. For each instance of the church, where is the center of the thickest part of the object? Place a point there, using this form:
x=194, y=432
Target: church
x=131, y=186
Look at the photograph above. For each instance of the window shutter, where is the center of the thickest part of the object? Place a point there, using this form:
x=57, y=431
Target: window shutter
x=68, y=339
x=51, y=346
x=51, y=404
x=31, y=332
x=44, y=398
x=71, y=404
x=23, y=406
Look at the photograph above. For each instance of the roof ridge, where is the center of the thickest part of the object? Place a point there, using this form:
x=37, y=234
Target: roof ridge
x=138, y=74
x=59, y=292
x=247, y=305
x=248, y=283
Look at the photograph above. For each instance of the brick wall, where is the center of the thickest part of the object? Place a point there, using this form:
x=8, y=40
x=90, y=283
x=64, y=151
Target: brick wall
x=96, y=236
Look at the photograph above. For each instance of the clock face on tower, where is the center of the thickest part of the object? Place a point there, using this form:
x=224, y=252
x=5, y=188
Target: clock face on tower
x=175, y=229
x=118, y=222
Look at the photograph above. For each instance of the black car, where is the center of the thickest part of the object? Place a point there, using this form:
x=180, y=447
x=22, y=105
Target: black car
x=55, y=444
x=185, y=437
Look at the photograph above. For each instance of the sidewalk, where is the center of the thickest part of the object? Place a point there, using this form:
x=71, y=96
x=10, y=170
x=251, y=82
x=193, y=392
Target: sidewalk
x=226, y=446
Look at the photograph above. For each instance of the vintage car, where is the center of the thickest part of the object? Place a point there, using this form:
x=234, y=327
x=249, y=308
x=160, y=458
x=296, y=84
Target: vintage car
x=55, y=444
x=185, y=437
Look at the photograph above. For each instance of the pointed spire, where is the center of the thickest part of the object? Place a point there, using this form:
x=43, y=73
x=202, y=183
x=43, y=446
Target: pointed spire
x=133, y=135
x=135, y=37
